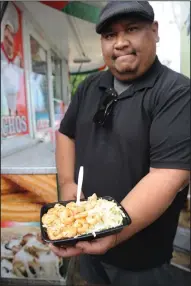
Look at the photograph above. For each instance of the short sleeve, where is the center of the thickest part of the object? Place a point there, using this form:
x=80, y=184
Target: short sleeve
x=68, y=123
x=170, y=131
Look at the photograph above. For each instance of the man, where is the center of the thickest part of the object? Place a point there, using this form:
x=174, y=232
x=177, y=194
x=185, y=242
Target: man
x=129, y=128
x=10, y=62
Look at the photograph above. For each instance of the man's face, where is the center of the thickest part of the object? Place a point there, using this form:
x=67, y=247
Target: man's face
x=129, y=47
x=34, y=46
x=9, y=41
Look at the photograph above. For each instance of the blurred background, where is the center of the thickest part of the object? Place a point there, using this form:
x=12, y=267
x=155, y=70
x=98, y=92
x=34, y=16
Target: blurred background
x=47, y=49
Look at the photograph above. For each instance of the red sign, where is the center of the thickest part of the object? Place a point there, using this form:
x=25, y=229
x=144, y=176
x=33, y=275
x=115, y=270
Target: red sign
x=14, y=117
x=59, y=5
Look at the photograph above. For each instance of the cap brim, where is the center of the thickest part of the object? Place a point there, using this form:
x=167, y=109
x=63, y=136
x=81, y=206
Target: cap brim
x=139, y=14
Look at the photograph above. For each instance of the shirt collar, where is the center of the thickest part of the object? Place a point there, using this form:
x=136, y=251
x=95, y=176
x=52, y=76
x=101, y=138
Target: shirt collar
x=147, y=80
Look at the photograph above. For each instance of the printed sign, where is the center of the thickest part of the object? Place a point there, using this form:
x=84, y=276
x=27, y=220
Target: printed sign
x=14, y=119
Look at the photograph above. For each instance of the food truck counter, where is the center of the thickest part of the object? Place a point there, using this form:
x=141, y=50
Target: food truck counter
x=36, y=159
x=28, y=181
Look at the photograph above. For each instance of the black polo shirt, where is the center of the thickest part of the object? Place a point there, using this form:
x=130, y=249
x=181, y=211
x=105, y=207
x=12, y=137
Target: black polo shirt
x=150, y=128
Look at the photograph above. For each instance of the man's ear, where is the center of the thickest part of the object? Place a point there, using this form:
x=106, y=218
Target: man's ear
x=155, y=30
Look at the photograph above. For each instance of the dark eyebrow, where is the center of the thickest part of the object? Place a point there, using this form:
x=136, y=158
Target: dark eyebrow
x=107, y=31
x=132, y=20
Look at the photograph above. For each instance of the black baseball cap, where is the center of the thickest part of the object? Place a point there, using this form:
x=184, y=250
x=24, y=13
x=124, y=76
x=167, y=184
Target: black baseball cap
x=118, y=8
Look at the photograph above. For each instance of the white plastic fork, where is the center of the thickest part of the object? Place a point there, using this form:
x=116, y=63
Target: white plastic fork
x=80, y=181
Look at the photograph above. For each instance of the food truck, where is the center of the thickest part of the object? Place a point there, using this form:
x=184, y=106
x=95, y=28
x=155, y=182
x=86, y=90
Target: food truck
x=35, y=93
x=34, y=96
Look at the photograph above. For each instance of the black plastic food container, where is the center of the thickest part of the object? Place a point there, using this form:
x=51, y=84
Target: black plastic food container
x=84, y=237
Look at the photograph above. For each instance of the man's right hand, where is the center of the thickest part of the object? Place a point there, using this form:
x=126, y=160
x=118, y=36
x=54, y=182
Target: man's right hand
x=69, y=192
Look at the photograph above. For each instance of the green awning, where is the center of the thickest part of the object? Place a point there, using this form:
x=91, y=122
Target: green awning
x=76, y=9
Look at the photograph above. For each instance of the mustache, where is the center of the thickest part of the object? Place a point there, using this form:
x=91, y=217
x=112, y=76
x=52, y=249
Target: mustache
x=133, y=52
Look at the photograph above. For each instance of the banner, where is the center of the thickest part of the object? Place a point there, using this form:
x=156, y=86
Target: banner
x=14, y=118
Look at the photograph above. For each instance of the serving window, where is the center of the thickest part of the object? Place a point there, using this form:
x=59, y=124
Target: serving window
x=39, y=85
x=56, y=65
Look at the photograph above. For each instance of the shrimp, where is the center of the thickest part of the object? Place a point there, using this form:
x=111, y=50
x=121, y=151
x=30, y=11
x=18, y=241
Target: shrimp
x=59, y=210
x=89, y=205
x=54, y=234
x=51, y=211
x=74, y=208
x=59, y=207
x=78, y=209
x=92, y=198
x=48, y=219
x=71, y=210
x=83, y=229
x=93, y=219
x=81, y=215
x=68, y=220
x=69, y=232
x=58, y=223
x=79, y=222
x=64, y=215
x=71, y=205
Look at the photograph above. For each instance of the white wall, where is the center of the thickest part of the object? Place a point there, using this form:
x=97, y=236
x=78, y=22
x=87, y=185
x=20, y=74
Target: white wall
x=167, y=13
x=53, y=24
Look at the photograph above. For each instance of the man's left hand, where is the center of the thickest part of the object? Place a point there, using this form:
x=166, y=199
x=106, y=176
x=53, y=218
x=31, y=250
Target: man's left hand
x=98, y=246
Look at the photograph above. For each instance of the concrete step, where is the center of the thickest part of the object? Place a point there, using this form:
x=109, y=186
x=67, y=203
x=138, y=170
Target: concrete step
x=182, y=239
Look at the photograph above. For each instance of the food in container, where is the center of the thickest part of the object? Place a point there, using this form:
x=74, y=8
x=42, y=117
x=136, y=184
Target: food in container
x=93, y=217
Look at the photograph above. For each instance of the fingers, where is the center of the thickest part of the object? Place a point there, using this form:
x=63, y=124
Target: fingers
x=94, y=247
x=66, y=252
x=82, y=196
x=98, y=246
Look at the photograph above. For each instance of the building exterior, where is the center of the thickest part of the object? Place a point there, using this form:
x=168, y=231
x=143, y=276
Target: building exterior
x=34, y=82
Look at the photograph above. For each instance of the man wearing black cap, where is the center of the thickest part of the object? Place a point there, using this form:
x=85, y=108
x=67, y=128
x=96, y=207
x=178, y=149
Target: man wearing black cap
x=129, y=128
